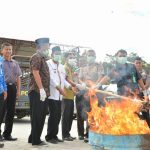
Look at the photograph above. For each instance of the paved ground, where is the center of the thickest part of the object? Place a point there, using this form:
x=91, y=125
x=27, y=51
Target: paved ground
x=21, y=130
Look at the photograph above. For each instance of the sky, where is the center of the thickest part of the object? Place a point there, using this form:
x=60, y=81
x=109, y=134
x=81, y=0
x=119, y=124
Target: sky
x=104, y=25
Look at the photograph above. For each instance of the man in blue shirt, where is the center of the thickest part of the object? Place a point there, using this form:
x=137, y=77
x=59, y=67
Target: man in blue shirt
x=3, y=94
x=12, y=76
x=125, y=75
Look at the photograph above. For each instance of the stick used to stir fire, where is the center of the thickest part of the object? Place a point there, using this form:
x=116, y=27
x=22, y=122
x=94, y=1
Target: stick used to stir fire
x=115, y=95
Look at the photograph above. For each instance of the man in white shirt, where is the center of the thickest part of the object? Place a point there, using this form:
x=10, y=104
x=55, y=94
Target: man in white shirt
x=57, y=84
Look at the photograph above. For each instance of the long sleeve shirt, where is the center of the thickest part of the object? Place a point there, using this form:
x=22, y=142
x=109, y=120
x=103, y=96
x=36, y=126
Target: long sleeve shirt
x=57, y=78
x=3, y=86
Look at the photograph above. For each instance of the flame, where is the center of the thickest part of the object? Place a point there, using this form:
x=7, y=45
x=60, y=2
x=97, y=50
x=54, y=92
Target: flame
x=116, y=118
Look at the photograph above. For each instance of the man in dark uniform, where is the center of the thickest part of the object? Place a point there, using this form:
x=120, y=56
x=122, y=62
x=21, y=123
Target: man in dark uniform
x=126, y=76
x=39, y=90
x=146, y=79
x=12, y=76
x=138, y=62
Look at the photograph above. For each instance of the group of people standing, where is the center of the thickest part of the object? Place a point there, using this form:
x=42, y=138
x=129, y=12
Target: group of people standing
x=61, y=87
x=55, y=86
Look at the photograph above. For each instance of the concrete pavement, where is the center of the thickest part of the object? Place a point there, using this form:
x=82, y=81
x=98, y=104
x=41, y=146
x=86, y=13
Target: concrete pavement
x=21, y=130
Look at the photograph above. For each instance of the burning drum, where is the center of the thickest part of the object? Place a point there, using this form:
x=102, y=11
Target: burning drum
x=119, y=142
x=116, y=126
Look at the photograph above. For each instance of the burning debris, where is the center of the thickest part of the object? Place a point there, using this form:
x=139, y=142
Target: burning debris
x=118, y=117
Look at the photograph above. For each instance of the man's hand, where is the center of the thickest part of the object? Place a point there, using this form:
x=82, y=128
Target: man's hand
x=5, y=95
x=145, y=93
x=42, y=94
x=81, y=86
x=61, y=91
x=18, y=93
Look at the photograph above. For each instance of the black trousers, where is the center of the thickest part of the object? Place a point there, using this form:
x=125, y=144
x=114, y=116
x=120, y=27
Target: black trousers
x=67, y=116
x=81, y=117
x=9, y=110
x=38, y=111
x=1, y=109
x=54, y=118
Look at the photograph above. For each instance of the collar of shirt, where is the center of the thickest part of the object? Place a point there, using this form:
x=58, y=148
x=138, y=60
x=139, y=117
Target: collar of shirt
x=11, y=60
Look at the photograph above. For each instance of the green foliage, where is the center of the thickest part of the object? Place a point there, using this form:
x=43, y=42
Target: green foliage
x=147, y=68
x=132, y=56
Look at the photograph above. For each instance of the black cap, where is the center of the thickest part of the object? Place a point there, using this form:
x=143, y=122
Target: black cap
x=56, y=48
x=42, y=41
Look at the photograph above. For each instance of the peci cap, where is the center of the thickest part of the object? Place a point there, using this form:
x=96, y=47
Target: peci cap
x=41, y=41
x=56, y=48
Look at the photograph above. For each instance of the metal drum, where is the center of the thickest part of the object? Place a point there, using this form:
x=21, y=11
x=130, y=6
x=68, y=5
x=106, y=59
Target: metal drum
x=119, y=142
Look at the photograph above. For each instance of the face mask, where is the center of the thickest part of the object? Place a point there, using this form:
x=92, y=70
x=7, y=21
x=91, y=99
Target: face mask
x=121, y=60
x=72, y=62
x=44, y=53
x=57, y=58
x=91, y=59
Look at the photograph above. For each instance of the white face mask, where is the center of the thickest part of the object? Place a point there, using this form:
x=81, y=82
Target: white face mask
x=72, y=62
x=57, y=58
x=91, y=59
x=121, y=60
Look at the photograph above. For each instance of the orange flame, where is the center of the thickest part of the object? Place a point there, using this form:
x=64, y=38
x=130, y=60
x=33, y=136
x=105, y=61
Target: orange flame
x=116, y=118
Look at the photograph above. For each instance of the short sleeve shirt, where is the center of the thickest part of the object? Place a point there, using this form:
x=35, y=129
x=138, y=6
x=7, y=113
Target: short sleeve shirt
x=69, y=73
x=92, y=72
x=39, y=63
x=12, y=71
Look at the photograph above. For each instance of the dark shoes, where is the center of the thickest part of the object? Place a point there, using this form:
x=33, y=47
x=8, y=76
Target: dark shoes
x=1, y=138
x=1, y=145
x=81, y=137
x=86, y=140
x=58, y=140
x=69, y=138
x=53, y=141
x=41, y=143
x=10, y=138
x=73, y=137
